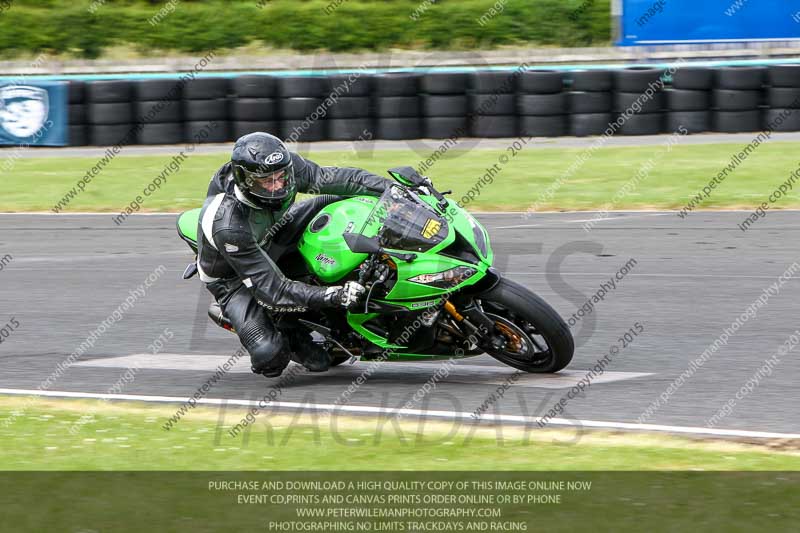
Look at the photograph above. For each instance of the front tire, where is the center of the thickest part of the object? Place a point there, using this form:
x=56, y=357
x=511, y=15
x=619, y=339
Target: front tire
x=539, y=341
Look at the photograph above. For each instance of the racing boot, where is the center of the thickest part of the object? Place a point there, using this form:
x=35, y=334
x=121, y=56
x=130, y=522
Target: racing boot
x=307, y=352
x=270, y=370
x=267, y=371
x=215, y=314
x=268, y=353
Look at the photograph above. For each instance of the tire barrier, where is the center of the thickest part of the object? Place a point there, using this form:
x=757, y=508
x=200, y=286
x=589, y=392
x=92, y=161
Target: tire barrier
x=489, y=126
x=736, y=98
x=243, y=127
x=444, y=83
x=205, y=109
x=541, y=82
x=688, y=101
x=636, y=79
x=446, y=127
x=302, y=130
x=77, y=134
x=630, y=85
x=350, y=116
x=348, y=129
x=398, y=128
x=161, y=133
x=254, y=87
x=109, y=134
x=109, y=113
x=158, y=110
x=739, y=78
x=689, y=121
x=298, y=107
x=254, y=105
x=444, y=104
x=589, y=102
x=76, y=114
x=395, y=106
x=491, y=106
x=541, y=103
x=437, y=105
x=580, y=102
x=587, y=124
x=298, y=98
x=782, y=98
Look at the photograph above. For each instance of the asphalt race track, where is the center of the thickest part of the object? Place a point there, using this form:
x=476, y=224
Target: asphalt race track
x=691, y=279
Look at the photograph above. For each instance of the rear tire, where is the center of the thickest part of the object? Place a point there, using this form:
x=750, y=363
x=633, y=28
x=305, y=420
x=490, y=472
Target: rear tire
x=514, y=302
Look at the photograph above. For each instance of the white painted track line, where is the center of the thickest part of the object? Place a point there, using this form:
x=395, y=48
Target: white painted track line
x=624, y=216
x=449, y=415
x=460, y=373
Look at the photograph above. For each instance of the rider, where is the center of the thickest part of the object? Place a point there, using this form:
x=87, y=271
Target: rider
x=247, y=222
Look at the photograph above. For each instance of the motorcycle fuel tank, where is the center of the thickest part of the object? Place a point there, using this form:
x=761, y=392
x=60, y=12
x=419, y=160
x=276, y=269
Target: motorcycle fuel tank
x=322, y=245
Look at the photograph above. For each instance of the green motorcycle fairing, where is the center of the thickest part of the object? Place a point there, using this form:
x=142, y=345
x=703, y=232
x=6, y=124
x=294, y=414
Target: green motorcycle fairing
x=322, y=246
x=187, y=226
x=406, y=227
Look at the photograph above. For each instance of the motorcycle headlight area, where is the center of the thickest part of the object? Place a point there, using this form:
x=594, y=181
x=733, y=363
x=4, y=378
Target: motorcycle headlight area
x=448, y=278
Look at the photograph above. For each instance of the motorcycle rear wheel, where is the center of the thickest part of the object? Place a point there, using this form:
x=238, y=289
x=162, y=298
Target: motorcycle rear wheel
x=537, y=338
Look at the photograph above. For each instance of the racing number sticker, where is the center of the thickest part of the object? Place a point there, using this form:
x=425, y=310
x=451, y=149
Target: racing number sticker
x=431, y=228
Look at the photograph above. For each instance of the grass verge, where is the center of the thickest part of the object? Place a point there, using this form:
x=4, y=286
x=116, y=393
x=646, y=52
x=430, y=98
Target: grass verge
x=127, y=436
x=642, y=177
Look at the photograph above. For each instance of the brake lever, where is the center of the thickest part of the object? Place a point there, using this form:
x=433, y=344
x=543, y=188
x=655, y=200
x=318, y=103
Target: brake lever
x=364, y=272
x=383, y=274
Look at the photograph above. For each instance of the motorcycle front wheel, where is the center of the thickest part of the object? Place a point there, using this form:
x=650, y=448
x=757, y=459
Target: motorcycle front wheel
x=537, y=338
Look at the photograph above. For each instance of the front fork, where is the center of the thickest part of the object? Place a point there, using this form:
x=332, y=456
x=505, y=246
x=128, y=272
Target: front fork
x=478, y=326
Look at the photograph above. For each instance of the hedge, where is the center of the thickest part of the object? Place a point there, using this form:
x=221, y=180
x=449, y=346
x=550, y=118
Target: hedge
x=68, y=27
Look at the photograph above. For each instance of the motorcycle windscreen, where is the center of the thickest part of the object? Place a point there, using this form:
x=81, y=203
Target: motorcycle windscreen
x=401, y=223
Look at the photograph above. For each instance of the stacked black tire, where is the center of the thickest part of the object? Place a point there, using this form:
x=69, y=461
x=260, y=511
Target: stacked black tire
x=76, y=117
x=439, y=105
x=541, y=104
x=493, y=103
x=688, y=101
x=783, y=98
x=303, y=117
x=349, y=117
x=109, y=112
x=253, y=106
x=205, y=110
x=736, y=99
x=444, y=104
x=589, y=102
x=158, y=111
x=396, y=106
x=638, y=101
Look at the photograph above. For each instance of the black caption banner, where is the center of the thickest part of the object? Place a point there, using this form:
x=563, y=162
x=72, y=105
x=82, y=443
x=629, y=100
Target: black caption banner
x=398, y=501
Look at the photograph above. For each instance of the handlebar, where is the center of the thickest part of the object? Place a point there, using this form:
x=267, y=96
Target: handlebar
x=440, y=199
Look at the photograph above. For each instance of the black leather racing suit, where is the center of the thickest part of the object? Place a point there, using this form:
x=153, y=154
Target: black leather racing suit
x=239, y=245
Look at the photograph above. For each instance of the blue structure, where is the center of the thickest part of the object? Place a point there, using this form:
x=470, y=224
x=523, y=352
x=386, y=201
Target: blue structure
x=33, y=113
x=653, y=22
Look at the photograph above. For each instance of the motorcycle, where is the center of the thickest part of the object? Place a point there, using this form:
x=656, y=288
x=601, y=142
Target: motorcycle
x=432, y=292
